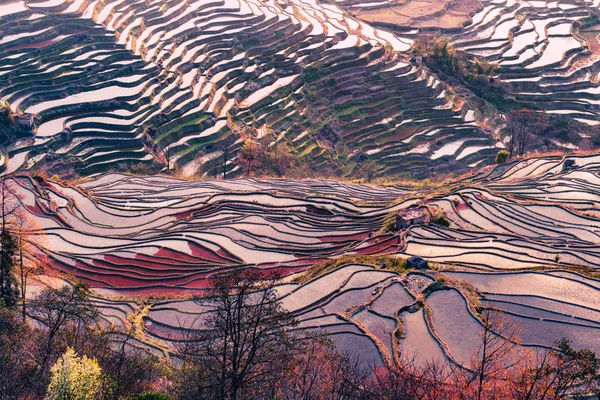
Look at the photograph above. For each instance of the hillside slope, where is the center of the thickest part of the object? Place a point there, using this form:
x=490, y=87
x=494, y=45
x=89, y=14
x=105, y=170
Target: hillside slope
x=118, y=83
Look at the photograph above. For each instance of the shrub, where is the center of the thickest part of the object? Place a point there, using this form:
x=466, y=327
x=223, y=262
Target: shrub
x=441, y=220
x=437, y=285
x=39, y=176
x=502, y=156
x=311, y=74
x=75, y=378
x=389, y=223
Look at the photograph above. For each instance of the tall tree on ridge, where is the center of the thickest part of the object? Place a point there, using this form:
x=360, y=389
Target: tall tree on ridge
x=8, y=246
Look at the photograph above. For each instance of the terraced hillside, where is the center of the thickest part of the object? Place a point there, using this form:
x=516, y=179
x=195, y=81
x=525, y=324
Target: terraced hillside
x=522, y=238
x=158, y=234
x=548, y=53
x=116, y=83
x=155, y=233
x=377, y=314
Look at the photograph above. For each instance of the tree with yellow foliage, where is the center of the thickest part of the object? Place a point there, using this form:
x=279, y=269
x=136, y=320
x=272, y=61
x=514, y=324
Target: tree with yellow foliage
x=75, y=378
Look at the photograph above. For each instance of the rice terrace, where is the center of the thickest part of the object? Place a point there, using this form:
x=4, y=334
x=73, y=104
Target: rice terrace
x=300, y=199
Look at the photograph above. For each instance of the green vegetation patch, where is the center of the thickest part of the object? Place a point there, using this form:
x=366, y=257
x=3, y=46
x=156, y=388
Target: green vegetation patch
x=387, y=262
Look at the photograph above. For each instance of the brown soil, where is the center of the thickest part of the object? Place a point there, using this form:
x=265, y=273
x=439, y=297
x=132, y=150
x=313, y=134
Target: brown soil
x=440, y=14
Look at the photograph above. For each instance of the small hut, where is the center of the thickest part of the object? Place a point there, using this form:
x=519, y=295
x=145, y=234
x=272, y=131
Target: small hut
x=25, y=122
x=417, y=262
x=569, y=165
x=410, y=217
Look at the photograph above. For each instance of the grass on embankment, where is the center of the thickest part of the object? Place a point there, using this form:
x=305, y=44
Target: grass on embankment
x=387, y=262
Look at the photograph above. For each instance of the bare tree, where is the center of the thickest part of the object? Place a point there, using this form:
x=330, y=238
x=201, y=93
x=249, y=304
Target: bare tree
x=555, y=373
x=9, y=204
x=494, y=358
x=214, y=162
x=161, y=152
x=319, y=371
x=17, y=360
x=486, y=375
x=410, y=379
x=165, y=154
x=368, y=170
x=246, y=341
x=55, y=309
x=7, y=124
x=520, y=135
x=30, y=259
x=130, y=369
x=226, y=146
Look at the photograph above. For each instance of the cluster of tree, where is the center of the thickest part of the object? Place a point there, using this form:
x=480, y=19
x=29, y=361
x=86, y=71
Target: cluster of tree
x=10, y=128
x=7, y=118
x=476, y=74
x=261, y=158
x=7, y=124
x=62, y=353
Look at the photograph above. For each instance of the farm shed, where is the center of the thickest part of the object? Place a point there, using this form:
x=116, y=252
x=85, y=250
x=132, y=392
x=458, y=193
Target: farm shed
x=411, y=216
x=25, y=121
x=417, y=262
x=569, y=165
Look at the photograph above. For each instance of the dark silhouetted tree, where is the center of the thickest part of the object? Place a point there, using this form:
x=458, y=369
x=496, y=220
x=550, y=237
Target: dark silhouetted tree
x=8, y=246
x=241, y=352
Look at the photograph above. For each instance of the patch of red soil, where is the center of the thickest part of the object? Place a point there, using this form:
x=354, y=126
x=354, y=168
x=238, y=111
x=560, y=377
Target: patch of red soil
x=342, y=238
x=462, y=206
x=201, y=252
x=175, y=255
x=379, y=247
x=129, y=261
x=183, y=215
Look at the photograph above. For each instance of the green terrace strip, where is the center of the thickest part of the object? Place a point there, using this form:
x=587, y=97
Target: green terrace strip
x=161, y=86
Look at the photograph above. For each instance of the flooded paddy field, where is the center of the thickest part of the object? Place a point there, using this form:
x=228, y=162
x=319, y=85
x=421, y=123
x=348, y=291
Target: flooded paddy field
x=512, y=244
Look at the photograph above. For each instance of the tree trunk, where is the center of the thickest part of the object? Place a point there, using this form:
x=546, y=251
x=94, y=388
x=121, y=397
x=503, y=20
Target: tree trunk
x=225, y=156
x=23, y=277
